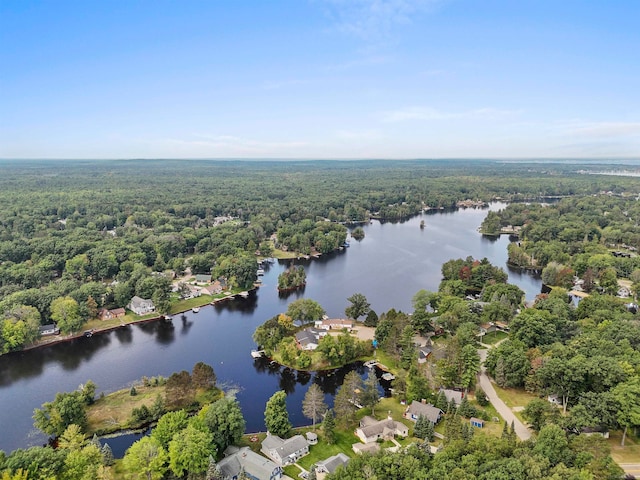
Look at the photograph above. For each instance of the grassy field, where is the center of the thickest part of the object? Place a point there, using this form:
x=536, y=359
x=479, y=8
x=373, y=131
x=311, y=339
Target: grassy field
x=113, y=412
x=493, y=337
x=514, y=397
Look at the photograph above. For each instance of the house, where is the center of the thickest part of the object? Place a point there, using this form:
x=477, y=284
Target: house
x=431, y=413
x=105, y=314
x=49, y=329
x=141, y=306
x=214, y=289
x=257, y=467
x=308, y=339
x=454, y=395
x=331, y=464
x=476, y=422
x=370, y=429
x=503, y=327
x=202, y=279
x=623, y=292
x=285, y=452
x=334, y=324
x=191, y=291
x=485, y=328
x=424, y=353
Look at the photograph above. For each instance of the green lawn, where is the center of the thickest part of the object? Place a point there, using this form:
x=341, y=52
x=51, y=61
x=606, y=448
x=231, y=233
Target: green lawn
x=494, y=337
x=515, y=397
x=322, y=451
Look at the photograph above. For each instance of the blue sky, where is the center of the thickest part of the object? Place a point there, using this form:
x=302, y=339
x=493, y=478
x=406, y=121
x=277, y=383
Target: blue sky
x=319, y=79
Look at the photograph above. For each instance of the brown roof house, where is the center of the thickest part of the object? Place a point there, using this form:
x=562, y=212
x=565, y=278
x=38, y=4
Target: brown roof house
x=105, y=314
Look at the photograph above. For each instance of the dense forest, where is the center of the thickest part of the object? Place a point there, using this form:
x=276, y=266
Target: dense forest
x=94, y=234
x=78, y=236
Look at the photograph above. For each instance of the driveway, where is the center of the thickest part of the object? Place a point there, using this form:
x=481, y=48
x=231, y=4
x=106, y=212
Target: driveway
x=505, y=412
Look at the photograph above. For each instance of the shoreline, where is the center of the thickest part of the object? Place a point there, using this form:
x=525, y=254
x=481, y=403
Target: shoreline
x=57, y=339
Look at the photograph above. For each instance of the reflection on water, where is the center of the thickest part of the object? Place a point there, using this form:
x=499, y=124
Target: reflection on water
x=388, y=266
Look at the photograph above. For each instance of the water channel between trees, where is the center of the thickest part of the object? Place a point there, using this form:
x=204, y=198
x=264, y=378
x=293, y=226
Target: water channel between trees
x=389, y=266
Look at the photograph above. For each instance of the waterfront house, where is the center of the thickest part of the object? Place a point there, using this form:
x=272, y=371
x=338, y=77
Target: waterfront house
x=105, y=314
x=308, y=339
x=191, y=291
x=331, y=464
x=371, y=430
x=284, y=452
x=334, y=324
x=431, y=413
x=214, y=289
x=49, y=329
x=141, y=306
x=255, y=466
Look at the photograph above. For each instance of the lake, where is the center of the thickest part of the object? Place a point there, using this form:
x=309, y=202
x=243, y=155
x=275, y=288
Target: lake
x=388, y=266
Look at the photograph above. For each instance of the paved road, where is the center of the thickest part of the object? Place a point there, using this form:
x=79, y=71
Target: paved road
x=631, y=469
x=522, y=431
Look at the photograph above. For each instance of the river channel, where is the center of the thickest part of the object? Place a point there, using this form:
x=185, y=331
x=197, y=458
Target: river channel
x=389, y=266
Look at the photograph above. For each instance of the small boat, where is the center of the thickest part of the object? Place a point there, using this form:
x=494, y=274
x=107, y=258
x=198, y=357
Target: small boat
x=244, y=294
x=421, y=223
x=260, y=272
x=195, y=309
x=388, y=376
x=257, y=353
x=88, y=333
x=346, y=244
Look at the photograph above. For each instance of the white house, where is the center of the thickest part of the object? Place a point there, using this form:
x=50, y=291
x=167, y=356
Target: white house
x=141, y=306
x=370, y=429
x=284, y=452
x=244, y=460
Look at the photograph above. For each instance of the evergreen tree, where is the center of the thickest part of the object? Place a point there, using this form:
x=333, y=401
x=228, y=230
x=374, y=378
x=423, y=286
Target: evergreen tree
x=370, y=395
x=430, y=432
x=276, y=416
x=107, y=455
x=505, y=431
x=481, y=397
x=466, y=409
x=441, y=401
x=420, y=430
x=452, y=407
x=329, y=426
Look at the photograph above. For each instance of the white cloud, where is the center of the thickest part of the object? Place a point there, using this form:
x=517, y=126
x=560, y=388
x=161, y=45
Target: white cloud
x=373, y=20
x=419, y=113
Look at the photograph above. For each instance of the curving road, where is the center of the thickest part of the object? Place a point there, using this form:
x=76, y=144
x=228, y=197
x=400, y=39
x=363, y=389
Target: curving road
x=505, y=412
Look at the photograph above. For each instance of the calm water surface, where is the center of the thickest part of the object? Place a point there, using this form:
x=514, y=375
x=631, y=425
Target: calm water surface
x=389, y=266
